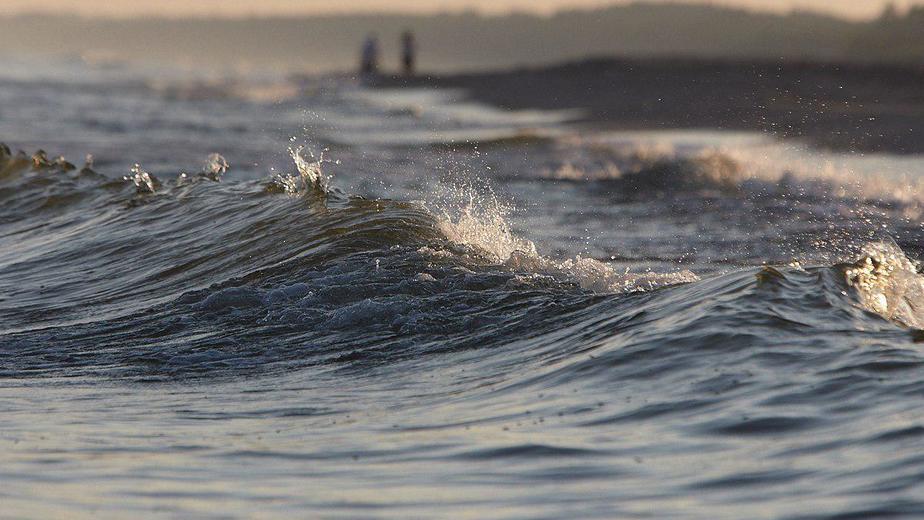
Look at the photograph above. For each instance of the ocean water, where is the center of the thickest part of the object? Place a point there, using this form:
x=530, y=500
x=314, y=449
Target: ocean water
x=274, y=298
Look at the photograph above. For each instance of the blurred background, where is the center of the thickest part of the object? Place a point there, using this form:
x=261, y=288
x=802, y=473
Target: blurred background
x=530, y=279
x=319, y=36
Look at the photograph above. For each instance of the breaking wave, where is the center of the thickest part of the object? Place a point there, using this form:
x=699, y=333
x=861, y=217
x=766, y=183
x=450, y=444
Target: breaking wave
x=642, y=168
x=191, y=260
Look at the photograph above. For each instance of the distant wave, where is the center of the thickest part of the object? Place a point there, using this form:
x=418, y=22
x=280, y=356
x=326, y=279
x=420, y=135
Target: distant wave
x=650, y=167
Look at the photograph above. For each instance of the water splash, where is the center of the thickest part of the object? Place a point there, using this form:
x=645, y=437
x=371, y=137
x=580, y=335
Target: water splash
x=888, y=283
x=88, y=165
x=479, y=219
x=481, y=222
x=309, y=177
x=215, y=166
x=144, y=181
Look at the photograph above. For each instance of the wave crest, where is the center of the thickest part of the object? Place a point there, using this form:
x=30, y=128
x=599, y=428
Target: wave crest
x=12, y=164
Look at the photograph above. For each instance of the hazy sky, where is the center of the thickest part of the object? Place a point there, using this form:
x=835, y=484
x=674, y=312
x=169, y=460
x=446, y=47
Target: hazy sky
x=850, y=8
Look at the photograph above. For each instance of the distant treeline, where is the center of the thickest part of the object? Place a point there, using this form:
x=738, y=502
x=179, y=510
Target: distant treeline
x=472, y=41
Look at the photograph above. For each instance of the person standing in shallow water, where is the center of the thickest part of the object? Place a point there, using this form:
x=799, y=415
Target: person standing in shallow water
x=408, y=52
x=369, y=59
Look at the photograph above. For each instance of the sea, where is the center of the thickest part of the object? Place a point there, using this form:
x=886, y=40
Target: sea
x=259, y=295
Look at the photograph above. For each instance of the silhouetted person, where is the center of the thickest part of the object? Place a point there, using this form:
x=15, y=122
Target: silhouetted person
x=408, y=52
x=369, y=60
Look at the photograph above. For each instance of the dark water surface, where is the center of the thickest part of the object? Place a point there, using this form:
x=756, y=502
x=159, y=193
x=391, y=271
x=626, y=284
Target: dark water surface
x=456, y=312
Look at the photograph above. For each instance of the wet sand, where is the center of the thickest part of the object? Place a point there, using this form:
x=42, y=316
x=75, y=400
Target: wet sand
x=864, y=108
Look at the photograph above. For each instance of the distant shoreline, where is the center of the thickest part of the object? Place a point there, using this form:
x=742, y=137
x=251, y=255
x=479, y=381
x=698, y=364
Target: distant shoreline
x=840, y=106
